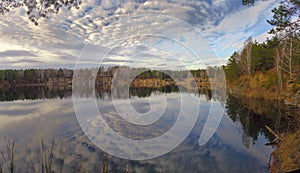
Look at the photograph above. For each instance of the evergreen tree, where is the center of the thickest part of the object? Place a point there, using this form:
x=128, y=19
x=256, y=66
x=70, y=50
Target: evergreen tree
x=232, y=70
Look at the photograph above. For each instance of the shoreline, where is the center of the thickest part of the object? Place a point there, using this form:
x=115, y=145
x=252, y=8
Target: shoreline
x=287, y=151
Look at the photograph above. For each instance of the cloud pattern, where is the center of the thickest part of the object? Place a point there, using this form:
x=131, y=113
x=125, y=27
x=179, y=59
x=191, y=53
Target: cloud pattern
x=58, y=41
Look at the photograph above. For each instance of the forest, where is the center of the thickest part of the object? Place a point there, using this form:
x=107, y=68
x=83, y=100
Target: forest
x=272, y=66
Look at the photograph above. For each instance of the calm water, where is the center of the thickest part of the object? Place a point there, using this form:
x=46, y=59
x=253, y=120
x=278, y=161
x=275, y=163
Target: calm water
x=29, y=115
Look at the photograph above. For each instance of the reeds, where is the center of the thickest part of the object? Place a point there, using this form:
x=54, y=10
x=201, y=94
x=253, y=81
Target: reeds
x=49, y=159
x=81, y=167
x=104, y=163
x=8, y=156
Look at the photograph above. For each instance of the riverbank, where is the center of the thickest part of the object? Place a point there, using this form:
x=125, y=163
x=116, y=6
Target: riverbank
x=287, y=154
x=264, y=86
x=106, y=82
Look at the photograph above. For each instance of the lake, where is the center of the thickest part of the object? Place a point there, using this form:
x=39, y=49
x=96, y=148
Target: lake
x=37, y=118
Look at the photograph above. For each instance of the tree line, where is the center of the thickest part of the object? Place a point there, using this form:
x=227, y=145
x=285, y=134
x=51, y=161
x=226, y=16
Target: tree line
x=284, y=57
x=280, y=53
x=33, y=75
x=43, y=75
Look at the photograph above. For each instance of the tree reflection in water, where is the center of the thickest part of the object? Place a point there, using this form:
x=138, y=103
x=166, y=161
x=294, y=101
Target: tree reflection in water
x=253, y=115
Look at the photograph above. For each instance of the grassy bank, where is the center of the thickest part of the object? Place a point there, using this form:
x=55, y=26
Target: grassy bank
x=264, y=85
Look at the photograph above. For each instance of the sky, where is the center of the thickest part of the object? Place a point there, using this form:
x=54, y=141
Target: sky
x=158, y=34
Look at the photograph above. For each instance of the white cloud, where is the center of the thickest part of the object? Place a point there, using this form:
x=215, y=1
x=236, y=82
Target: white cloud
x=59, y=40
x=244, y=18
x=236, y=27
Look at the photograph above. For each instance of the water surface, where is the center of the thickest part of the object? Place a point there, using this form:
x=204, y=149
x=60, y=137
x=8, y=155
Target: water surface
x=237, y=146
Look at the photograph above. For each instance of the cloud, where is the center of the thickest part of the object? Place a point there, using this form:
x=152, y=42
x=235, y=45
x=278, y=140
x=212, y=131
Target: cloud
x=245, y=18
x=228, y=36
x=57, y=41
x=15, y=53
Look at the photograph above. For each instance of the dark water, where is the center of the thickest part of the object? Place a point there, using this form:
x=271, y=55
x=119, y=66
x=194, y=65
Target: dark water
x=30, y=115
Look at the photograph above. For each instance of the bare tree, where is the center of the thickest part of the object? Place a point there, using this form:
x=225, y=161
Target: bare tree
x=246, y=57
x=286, y=56
x=278, y=68
x=283, y=60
